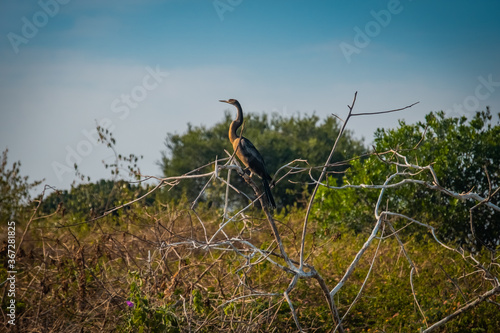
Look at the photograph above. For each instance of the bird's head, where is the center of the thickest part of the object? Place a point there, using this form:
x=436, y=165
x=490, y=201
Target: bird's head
x=229, y=101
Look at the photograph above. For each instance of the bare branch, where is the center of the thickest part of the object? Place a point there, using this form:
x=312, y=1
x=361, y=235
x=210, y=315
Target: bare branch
x=465, y=308
x=383, y=112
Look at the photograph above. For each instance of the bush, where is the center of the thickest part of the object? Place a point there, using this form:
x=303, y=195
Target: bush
x=465, y=155
x=14, y=189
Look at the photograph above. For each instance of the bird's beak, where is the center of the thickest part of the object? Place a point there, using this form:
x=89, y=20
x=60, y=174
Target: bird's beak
x=223, y=101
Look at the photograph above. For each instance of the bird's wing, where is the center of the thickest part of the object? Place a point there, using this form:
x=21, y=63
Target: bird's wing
x=248, y=147
x=254, y=158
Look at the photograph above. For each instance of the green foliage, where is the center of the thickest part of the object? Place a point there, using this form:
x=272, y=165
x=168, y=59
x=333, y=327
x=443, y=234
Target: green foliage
x=14, y=189
x=465, y=156
x=279, y=139
x=387, y=302
x=90, y=200
x=147, y=315
x=198, y=302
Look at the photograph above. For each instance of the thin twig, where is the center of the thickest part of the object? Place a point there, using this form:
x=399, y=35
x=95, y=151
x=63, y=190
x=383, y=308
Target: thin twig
x=382, y=112
x=473, y=304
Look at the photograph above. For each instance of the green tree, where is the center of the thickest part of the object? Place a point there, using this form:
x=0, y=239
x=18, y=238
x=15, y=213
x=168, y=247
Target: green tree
x=279, y=139
x=465, y=155
x=93, y=199
x=14, y=189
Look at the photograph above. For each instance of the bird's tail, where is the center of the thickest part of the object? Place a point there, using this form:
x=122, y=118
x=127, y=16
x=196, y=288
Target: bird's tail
x=269, y=195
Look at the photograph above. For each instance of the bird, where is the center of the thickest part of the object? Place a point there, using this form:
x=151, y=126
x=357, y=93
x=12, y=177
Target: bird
x=248, y=154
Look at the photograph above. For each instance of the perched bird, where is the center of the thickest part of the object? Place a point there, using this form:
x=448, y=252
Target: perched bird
x=248, y=154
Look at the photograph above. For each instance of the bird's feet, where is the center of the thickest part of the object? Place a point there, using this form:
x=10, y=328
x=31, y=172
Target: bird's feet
x=247, y=171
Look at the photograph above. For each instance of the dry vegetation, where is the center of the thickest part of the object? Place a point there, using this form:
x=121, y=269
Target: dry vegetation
x=80, y=279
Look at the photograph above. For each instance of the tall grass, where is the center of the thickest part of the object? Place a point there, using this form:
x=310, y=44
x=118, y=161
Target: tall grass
x=116, y=274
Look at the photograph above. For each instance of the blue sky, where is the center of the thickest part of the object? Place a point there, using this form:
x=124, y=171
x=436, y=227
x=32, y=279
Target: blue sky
x=145, y=68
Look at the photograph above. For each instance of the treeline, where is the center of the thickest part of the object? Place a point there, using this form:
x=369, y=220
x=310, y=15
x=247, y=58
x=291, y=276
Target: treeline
x=465, y=154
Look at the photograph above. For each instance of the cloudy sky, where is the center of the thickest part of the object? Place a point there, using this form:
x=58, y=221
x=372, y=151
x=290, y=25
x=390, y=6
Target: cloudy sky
x=145, y=68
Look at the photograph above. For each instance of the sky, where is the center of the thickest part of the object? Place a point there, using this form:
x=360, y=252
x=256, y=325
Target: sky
x=143, y=69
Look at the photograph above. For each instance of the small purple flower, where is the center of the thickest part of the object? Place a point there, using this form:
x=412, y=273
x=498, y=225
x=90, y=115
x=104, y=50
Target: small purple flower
x=130, y=304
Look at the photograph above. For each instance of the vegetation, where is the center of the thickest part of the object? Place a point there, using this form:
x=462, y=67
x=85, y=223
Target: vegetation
x=91, y=200
x=145, y=267
x=465, y=156
x=14, y=189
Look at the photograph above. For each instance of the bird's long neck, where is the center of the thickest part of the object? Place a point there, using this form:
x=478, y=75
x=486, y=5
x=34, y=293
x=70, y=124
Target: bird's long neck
x=236, y=123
